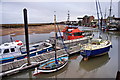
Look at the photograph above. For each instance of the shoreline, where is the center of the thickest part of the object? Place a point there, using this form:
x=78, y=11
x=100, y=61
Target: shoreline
x=31, y=29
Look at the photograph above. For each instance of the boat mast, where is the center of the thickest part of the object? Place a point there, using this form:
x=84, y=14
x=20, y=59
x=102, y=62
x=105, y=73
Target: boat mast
x=101, y=14
x=55, y=37
x=97, y=14
x=105, y=14
x=100, y=9
x=110, y=11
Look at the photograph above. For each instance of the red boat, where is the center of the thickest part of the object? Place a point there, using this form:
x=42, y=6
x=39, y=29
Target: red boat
x=73, y=35
x=70, y=33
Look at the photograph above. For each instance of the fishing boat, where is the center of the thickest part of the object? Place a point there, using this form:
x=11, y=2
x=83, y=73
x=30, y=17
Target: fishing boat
x=96, y=47
x=15, y=50
x=55, y=64
x=73, y=34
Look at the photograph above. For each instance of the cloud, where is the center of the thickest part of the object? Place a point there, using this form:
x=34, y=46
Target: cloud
x=39, y=12
x=56, y=0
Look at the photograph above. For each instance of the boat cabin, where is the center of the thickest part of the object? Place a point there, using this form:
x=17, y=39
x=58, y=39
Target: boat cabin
x=12, y=47
x=70, y=33
x=96, y=41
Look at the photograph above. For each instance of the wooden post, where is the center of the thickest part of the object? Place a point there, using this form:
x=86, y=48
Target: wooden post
x=26, y=35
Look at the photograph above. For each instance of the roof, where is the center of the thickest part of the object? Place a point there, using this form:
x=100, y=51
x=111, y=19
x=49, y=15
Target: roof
x=71, y=30
x=76, y=30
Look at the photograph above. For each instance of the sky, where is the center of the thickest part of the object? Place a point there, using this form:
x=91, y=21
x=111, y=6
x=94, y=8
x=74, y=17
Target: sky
x=11, y=11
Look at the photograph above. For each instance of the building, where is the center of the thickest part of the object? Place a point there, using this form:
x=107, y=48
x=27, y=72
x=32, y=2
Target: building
x=87, y=20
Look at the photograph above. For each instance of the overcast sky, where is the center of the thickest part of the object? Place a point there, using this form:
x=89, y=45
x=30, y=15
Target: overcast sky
x=39, y=12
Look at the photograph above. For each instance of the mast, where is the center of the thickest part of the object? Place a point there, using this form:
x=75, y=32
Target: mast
x=97, y=14
x=55, y=38
x=101, y=15
x=105, y=14
x=110, y=11
x=100, y=9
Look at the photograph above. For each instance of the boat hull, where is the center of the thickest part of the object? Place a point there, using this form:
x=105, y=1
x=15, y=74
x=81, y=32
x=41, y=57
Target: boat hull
x=96, y=52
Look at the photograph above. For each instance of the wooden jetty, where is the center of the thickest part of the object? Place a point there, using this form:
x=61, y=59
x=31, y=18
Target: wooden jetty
x=20, y=65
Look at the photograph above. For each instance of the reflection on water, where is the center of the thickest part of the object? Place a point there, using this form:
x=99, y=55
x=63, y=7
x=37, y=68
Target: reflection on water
x=94, y=63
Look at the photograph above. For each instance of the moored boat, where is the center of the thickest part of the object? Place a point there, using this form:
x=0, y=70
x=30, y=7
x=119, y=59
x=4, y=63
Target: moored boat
x=55, y=64
x=73, y=34
x=51, y=66
x=96, y=47
x=15, y=50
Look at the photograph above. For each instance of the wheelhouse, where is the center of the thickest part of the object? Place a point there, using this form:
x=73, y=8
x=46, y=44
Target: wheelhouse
x=70, y=33
x=9, y=48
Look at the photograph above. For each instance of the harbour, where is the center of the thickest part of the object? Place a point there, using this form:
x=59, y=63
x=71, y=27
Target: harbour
x=84, y=48
x=109, y=60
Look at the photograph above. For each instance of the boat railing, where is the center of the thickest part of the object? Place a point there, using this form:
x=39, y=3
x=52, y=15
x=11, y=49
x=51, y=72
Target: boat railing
x=22, y=56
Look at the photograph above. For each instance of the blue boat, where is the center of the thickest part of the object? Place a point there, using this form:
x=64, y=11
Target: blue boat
x=55, y=64
x=96, y=47
x=51, y=66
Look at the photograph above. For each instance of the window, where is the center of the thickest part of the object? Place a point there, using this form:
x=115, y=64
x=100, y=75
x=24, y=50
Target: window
x=69, y=34
x=0, y=51
x=12, y=50
x=6, y=51
x=78, y=34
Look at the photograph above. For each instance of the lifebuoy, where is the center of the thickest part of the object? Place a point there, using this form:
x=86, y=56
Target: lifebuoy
x=19, y=42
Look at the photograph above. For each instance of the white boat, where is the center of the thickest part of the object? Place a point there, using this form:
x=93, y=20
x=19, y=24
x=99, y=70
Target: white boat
x=15, y=50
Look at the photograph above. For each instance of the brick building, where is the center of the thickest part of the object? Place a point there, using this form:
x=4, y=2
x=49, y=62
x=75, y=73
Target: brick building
x=87, y=20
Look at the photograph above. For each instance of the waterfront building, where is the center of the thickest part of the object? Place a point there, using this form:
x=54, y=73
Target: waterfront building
x=87, y=20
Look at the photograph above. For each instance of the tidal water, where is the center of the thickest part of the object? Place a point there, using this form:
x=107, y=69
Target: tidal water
x=105, y=66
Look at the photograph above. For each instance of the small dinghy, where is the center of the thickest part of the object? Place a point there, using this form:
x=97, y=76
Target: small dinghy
x=55, y=64
x=96, y=47
x=51, y=66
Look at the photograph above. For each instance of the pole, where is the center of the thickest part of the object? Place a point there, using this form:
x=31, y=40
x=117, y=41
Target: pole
x=101, y=23
x=55, y=38
x=68, y=19
x=100, y=8
x=110, y=11
x=26, y=35
x=97, y=14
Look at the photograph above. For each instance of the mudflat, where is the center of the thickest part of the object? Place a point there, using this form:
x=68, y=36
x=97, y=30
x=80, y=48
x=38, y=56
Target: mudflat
x=31, y=29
